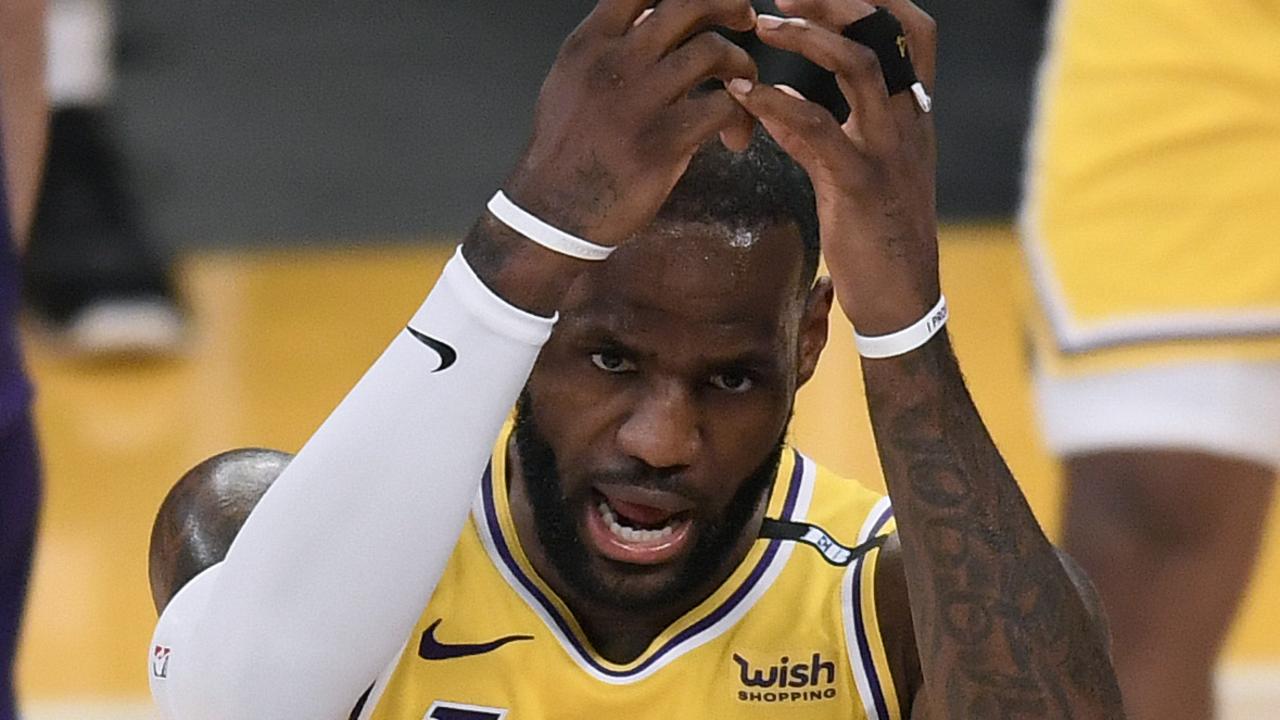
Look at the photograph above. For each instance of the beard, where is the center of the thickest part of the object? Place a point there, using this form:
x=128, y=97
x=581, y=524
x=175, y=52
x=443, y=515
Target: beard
x=555, y=519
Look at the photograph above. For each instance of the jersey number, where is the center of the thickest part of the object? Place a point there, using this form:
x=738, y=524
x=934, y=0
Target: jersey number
x=456, y=711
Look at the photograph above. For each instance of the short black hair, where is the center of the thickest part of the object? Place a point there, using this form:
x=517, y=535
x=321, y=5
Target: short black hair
x=757, y=188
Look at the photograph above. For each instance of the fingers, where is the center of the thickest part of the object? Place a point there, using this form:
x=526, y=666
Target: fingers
x=791, y=91
x=672, y=21
x=855, y=66
x=709, y=55
x=701, y=117
x=737, y=137
x=835, y=15
x=831, y=14
x=614, y=17
x=805, y=130
x=922, y=37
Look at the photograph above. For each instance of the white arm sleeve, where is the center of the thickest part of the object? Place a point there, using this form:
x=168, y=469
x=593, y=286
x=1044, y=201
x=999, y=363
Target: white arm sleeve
x=332, y=568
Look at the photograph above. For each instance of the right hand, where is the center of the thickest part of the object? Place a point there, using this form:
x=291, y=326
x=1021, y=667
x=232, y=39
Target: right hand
x=873, y=175
x=615, y=125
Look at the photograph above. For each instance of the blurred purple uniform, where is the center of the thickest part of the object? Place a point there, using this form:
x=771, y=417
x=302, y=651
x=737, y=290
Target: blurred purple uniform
x=19, y=481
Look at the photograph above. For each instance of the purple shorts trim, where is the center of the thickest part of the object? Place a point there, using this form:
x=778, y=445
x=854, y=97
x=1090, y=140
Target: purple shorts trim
x=19, y=508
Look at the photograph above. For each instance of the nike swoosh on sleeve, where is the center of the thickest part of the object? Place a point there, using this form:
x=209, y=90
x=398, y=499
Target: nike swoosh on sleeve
x=448, y=355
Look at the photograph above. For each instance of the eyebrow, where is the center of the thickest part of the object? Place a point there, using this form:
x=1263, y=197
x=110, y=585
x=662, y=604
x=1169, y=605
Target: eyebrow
x=752, y=359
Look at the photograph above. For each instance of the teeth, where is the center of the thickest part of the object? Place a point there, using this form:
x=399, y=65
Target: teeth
x=631, y=534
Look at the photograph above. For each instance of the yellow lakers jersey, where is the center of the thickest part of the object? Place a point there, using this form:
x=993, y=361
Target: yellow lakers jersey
x=1152, y=199
x=792, y=633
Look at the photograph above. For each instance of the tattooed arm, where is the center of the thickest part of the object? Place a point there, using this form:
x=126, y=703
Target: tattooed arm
x=1004, y=624
x=1000, y=629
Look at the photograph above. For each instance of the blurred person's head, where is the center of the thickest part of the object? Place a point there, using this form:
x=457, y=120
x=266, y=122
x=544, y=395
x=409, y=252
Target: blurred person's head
x=221, y=492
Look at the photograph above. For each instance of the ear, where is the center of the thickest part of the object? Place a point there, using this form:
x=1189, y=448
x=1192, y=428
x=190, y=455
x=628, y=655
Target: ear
x=813, y=329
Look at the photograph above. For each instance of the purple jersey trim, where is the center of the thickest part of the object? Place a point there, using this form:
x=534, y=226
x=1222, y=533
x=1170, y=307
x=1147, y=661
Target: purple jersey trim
x=504, y=552
x=860, y=625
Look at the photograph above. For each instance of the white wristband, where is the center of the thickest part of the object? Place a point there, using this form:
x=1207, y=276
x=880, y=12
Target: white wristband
x=905, y=340
x=548, y=236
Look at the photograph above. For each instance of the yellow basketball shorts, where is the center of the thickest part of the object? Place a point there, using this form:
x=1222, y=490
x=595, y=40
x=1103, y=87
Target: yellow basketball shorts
x=1151, y=226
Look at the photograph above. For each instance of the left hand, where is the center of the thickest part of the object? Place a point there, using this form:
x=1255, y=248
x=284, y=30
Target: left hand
x=874, y=175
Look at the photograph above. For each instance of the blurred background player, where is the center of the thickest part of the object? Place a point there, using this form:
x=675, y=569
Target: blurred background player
x=1150, y=225
x=22, y=119
x=94, y=279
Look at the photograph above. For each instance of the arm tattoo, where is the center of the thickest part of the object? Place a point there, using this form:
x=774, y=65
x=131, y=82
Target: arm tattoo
x=1001, y=631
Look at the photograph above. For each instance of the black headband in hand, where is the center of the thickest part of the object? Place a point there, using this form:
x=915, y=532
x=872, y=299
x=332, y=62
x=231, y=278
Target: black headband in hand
x=883, y=33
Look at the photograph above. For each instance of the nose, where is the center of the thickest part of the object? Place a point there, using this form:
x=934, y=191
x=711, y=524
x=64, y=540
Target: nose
x=662, y=429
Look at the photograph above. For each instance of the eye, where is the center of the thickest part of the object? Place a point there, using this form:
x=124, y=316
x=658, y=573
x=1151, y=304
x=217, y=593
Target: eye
x=612, y=362
x=732, y=382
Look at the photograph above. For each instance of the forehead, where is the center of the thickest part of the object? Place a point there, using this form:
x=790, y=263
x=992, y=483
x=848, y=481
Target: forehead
x=693, y=276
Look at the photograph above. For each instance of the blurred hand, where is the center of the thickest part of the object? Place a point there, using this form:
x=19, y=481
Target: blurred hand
x=874, y=175
x=616, y=123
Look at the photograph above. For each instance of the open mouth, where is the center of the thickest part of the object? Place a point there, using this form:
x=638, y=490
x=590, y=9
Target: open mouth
x=638, y=526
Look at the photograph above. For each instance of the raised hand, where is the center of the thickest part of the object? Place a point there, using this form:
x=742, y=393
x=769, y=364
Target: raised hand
x=618, y=119
x=874, y=175
x=969, y=541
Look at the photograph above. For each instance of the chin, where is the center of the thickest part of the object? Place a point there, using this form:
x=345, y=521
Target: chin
x=633, y=587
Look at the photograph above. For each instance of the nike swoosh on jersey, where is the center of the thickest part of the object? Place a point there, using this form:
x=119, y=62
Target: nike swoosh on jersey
x=429, y=648
x=448, y=355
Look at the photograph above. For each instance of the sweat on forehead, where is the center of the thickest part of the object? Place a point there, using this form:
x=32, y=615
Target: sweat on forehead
x=703, y=240
x=698, y=270
x=747, y=192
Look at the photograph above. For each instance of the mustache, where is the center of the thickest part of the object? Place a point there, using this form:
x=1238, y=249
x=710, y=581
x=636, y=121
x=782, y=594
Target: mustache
x=672, y=485
x=647, y=478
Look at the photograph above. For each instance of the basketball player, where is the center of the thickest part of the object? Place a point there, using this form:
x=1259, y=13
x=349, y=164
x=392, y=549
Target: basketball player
x=22, y=120
x=1149, y=222
x=94, y=280
x=642, y=542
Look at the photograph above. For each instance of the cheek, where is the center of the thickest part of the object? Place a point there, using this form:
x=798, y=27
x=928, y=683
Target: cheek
x=573, y=406
x=743, y=433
